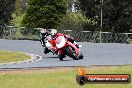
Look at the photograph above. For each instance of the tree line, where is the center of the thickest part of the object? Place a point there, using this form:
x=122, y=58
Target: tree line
x=6, y=9
x=117, y=14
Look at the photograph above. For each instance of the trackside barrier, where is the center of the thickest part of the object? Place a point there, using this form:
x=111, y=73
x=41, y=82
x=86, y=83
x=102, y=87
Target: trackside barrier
x=11, y=32
x=107, y=37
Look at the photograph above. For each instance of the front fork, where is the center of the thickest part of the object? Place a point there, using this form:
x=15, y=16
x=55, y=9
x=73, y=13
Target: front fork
x=74, y=47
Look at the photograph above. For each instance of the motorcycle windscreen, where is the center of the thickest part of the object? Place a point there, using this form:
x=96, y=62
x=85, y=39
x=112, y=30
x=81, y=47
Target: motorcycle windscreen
x=60, y=42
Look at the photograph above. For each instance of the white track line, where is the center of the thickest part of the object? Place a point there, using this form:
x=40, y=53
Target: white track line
x=34, y=58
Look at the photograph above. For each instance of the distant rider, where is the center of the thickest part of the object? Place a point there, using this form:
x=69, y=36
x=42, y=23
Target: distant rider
x=43, y=33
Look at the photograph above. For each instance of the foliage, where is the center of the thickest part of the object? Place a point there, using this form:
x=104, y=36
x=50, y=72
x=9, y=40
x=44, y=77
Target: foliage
x=6, y=9
x=69, y=4
x=44, y=13
x=20, y=7
x=75, y=21
x=17, y=20
x=116, y=13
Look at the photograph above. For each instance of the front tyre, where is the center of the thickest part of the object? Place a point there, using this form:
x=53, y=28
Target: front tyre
x=61, y=57
x=71, y=53
x=80, y=56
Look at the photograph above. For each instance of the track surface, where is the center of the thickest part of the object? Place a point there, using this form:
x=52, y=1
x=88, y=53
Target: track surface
x=95, y=54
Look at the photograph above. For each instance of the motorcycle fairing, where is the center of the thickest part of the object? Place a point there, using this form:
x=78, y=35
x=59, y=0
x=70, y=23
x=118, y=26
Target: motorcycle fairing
x=60, y=42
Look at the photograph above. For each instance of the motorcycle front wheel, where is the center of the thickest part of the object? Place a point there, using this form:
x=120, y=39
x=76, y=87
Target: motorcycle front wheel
x=71, y=53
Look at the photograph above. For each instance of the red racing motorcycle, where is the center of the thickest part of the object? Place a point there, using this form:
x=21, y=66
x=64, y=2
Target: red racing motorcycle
x=66, y=48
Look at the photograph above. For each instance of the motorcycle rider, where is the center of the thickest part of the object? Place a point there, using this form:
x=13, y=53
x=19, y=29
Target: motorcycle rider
x=53, y=35
x=53, y=42
x=43, y=33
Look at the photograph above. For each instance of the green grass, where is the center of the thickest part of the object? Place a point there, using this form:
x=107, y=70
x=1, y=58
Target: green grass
x=8, y=56
x=60, y=79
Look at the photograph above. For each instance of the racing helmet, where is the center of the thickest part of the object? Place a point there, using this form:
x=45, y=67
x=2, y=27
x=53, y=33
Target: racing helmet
x=53, y=31
x=43, y=31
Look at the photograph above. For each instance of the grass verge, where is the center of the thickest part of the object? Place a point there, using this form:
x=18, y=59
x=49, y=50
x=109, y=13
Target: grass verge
x=58, y=78
x=8, y=56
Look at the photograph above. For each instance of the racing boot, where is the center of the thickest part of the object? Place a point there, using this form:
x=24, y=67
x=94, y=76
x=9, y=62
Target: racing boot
x=46, y=50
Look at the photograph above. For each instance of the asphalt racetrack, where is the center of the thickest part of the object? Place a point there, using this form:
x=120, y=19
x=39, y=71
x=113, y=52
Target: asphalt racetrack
x=94, y=54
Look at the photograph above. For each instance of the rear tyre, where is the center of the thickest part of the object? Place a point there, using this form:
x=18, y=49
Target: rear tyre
x=70, y=52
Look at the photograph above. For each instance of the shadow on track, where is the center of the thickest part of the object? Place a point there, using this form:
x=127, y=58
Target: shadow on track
x=50, y=57
x=55, y=57
x=65, y=60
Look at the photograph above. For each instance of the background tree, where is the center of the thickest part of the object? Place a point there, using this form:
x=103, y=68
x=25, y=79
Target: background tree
x=91, y=9
x=6, y=10
x=77, y=22
x=72, y=21
x=44, y=13
x=69, y=4
x=116, y=14
x=20, y=6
